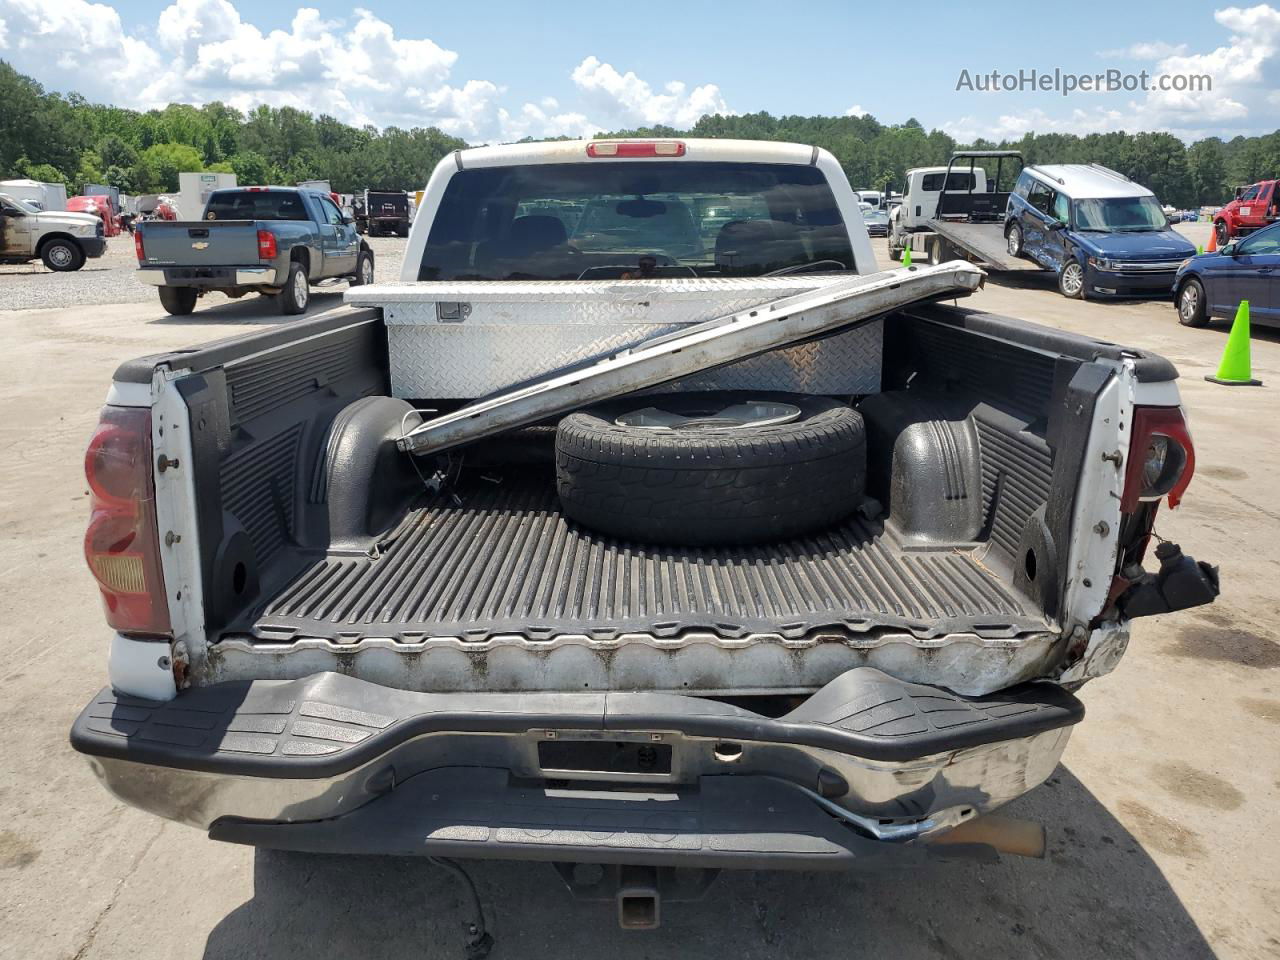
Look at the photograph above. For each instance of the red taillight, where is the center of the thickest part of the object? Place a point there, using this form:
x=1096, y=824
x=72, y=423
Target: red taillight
x=1161, y=460
x=138, y=246
x=122, y=545
x=635, y=148
x=266, y=245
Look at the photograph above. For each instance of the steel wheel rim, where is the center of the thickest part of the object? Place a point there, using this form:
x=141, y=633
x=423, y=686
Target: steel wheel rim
x=1190, y=301
x=60, y=255
x=1072, y=278
x=300, y=289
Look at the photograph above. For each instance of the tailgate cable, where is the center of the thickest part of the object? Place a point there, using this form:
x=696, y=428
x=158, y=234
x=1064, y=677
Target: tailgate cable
x=479, y=942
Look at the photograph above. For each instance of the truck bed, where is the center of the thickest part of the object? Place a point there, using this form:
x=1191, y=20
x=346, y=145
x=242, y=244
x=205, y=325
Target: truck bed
x=505, y=561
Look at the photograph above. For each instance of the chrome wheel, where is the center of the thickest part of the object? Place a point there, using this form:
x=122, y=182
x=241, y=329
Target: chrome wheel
x=1015, y=241
x=1189, y=302
x=301, y=291
x=1072, y=281
x=366, y=271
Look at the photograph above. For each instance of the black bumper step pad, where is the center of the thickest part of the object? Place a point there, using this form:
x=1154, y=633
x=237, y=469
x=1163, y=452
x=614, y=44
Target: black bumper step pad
x=328, y=724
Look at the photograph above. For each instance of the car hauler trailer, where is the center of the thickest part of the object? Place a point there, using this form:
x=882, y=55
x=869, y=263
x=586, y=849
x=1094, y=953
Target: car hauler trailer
x=956, y=213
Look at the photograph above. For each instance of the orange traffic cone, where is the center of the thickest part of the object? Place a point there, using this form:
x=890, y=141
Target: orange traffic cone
x=1213, y=239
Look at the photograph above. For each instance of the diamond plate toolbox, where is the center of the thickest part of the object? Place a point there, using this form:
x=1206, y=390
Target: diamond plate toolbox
x=466, y=339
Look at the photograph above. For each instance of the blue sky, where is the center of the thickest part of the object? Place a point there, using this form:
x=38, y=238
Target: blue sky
x=502, y=69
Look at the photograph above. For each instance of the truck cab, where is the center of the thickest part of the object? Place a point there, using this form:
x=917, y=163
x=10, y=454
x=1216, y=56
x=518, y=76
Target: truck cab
x=924, y=186
x=1254, y=207
x=381, y=213
x=62, y=240
x=97, y=205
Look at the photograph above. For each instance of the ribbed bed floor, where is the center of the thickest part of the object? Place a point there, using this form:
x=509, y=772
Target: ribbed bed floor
x=506, y=561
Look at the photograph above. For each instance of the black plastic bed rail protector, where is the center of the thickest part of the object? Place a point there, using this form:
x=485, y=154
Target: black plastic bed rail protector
x=1148, y=367
x=328, y=724
x=742, y=822
x=229, y=349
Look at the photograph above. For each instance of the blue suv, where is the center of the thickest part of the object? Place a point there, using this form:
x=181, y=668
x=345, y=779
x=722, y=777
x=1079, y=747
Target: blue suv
x=1101, y=233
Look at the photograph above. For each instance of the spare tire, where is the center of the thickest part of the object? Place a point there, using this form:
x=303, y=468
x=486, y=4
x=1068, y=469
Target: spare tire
x=702, y=469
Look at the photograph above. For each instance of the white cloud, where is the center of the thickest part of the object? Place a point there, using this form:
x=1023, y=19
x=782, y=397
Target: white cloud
x=857, y=110
x=81, y=41
x=545, y=119
x=1145, y=51
x=1011, y=126
x=1244, y=73
x=358, y=69
x=628, y=100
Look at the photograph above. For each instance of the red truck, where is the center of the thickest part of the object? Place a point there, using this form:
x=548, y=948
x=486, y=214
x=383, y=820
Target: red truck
x=1254, y=207
x=99, y=206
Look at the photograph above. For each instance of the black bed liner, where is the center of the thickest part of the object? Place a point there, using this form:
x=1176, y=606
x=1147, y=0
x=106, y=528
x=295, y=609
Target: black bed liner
x=504, y=561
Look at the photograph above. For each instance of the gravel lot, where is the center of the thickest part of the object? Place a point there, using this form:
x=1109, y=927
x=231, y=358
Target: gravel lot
x=110, y=279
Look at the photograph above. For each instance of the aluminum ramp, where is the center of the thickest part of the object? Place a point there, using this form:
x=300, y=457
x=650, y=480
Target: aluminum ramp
x=704, y=346
x=985, y=242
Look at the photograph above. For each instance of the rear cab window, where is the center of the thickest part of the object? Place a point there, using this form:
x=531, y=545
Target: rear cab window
x=255, y=205
x=932, y=182
x=572, y=221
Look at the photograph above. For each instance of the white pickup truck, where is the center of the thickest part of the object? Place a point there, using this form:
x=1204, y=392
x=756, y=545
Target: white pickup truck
x=60, y=239
x=624, y=532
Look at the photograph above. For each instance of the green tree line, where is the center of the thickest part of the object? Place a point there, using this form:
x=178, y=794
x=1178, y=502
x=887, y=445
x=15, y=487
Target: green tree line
x=66, y=139
x=874, y=154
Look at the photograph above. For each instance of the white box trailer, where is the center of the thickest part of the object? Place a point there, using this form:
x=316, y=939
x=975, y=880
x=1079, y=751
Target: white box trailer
x=194, y=190
x=47, y=196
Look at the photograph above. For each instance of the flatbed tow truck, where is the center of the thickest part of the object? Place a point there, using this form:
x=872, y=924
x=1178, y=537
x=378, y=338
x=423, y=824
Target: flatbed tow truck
x=956, y=213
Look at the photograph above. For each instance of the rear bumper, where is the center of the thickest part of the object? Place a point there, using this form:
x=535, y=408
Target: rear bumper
x=209, y=277
x=334, y=764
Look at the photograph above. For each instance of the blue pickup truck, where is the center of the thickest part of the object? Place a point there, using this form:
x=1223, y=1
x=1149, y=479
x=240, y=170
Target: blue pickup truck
x=276, y=241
